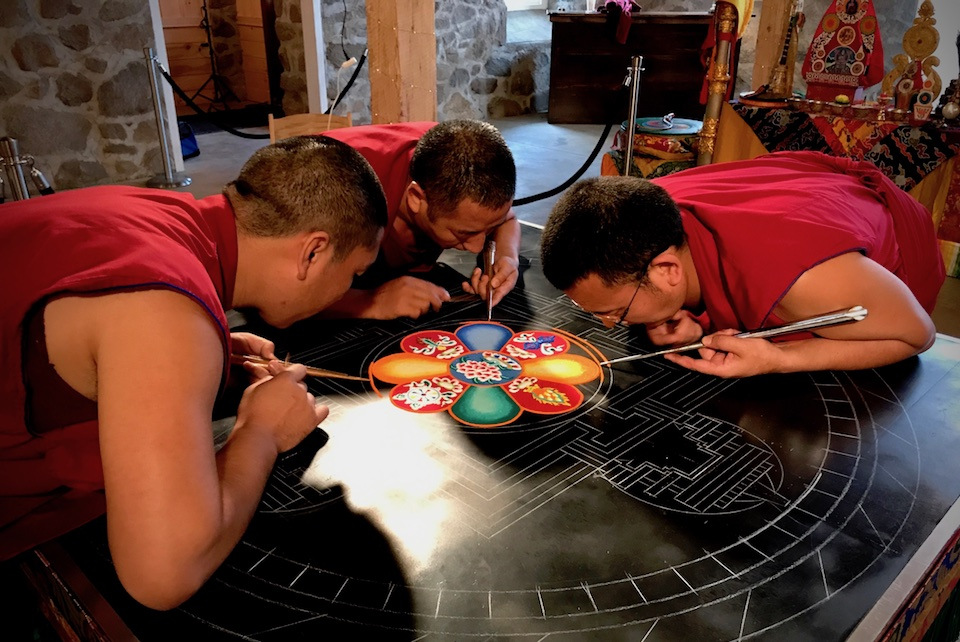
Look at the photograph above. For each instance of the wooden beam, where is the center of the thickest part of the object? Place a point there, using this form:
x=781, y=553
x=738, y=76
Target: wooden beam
x=402, y=50
x=774, y=18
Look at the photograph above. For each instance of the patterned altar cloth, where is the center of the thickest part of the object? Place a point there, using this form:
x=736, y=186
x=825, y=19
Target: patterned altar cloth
x=904, y=153
x=654, y=155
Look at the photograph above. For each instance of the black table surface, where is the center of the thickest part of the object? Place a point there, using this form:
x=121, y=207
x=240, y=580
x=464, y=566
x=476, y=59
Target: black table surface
x=669, y=506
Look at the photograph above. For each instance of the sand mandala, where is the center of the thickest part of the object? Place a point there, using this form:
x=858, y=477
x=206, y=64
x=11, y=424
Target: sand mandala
x=485, y=374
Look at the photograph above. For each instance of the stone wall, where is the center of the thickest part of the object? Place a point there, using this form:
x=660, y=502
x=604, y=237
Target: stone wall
x=475, y=71
x=293, y=81
x=74, y=89
x=74, y=86
x=519, y=72
x=226, y=45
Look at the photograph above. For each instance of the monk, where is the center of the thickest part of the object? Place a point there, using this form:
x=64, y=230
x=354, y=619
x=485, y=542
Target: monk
x=714, y=250
x=449, y=185
x=116, y=345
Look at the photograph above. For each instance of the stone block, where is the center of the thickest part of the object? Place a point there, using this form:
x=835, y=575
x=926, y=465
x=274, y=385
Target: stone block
x=78, y=173
x=463, y=13
x=503, y=108
x=286, y=31
x=459, y=78
x=73, y=90
x=113, y=131
x=498, y=65
x=13, y=13
x=96, y=65
x=225, y=29
x=54, y=9
x=126, y=150
x=44, y=131
x=458, y=106
x=521, y=83
x=76, y=37
x=9, y=86
x=132, y=38
x=483, y=86
x=126, y=170
x=127, y=93
x=35, y=51
x=146, y=131
x=37, y=88
x=113, y=10
x=153, y=160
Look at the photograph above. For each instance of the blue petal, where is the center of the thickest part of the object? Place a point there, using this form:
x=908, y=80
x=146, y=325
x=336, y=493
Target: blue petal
x=484, y=335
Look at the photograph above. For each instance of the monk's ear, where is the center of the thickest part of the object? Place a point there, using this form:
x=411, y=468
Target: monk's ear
x=315, y=251
x=415, y=197
x=666, y=268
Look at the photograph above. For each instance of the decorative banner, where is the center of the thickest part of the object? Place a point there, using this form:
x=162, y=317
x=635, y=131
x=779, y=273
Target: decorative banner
x=846, y=51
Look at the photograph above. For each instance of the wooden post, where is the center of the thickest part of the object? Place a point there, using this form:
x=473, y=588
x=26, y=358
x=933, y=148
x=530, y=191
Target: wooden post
x=402, y=52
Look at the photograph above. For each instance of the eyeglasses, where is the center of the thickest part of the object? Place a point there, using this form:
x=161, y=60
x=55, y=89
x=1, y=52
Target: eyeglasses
x=620, y=320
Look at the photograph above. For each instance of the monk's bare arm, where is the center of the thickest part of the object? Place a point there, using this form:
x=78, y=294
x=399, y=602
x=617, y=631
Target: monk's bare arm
x=174, y=508
x=896, y=326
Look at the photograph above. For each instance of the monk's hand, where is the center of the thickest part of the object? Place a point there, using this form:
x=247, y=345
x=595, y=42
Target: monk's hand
x=506, y=271
x=281, y=406
x=249, y=343
x=726, y=355
x=244, y=343
x=681, y=329
x=407, y=296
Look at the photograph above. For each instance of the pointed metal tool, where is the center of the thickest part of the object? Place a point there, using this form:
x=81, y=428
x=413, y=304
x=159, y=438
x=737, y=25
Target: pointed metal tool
x=489, y=258
x=856, y=313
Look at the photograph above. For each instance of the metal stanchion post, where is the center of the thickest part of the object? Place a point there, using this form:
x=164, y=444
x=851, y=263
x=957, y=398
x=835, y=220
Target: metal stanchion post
x=168, y=178
x=10, y=155
x=633, y=82
x=14, y=163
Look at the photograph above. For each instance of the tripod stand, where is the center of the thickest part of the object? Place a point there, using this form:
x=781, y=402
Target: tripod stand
x=221, y=90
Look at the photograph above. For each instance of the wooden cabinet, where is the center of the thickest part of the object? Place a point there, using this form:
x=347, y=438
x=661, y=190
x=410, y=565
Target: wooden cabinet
x=588, y=66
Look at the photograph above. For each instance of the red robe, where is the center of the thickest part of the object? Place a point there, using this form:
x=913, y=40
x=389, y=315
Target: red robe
x=755, y=226
x=99, y=239
x=389, y=149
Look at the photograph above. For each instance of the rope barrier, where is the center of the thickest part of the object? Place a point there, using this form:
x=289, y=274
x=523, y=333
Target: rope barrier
x=517, y=202
x=183, y=96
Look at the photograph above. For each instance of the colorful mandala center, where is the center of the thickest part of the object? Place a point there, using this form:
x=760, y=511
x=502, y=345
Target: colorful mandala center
x=487, y=368
x=484, y=374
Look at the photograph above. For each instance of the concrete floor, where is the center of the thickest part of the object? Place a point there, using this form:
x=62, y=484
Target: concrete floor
x=546, y=155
